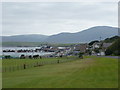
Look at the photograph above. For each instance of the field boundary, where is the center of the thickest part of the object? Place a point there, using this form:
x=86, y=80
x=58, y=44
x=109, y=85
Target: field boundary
x=35, y=64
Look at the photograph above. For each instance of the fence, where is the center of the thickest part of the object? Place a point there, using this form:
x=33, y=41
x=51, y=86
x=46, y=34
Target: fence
x=36, y=64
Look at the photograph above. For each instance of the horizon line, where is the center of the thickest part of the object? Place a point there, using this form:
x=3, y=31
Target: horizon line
x=60, y=32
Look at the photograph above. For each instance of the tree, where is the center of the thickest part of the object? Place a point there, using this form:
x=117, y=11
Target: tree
x=108, y=52
x=96, y=50
x=92, y=42
x=81, y=55
x=88, y=52
x=114, y=49
x=112, y=39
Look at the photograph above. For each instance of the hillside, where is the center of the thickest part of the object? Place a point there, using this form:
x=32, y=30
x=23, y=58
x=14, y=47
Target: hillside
x=25, y=38
x=84, y=36
x=90, y=72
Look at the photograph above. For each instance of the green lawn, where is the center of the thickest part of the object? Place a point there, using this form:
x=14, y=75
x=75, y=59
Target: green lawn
x=90, y=72
x=0, y=74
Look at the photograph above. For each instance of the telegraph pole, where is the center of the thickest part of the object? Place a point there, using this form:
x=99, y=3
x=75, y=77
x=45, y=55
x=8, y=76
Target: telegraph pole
x=100, y=45
x=100, y=39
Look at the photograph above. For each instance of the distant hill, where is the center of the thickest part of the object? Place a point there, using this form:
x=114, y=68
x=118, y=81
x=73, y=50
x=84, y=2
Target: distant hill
x=25, y=38
x=84, y=36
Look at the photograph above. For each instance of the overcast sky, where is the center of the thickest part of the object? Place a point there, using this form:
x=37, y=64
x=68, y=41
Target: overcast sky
x=50, y=18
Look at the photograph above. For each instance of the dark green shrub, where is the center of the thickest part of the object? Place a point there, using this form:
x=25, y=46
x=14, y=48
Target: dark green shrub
x=81, y=55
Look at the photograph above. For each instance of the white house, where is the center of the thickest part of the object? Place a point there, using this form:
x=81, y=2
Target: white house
x=96, y=45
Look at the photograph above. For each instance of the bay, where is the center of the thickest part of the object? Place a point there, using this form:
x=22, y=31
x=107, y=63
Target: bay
x=16, y=54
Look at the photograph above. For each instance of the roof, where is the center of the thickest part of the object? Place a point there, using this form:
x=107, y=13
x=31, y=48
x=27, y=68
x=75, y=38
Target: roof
x=105, y=45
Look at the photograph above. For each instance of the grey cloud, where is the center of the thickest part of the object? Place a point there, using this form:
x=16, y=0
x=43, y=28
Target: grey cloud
x=21, y=16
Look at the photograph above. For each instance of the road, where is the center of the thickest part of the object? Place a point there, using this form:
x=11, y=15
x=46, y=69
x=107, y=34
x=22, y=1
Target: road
x=116, y=57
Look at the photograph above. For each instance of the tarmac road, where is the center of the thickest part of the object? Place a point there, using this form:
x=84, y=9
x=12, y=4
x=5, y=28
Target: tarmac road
x=116, y=57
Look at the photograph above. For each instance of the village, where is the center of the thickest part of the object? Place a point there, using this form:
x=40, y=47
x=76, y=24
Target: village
x=96, y=48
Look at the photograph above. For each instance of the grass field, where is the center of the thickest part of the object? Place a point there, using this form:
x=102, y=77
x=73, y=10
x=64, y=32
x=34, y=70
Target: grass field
x=16, y=62
x=90, y=72
x=0, y=74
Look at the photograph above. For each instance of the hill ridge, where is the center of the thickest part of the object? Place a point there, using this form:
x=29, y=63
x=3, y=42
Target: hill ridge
x=87, y=35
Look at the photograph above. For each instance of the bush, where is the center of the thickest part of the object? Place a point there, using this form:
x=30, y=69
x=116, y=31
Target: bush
x=108, y=52
x=81, y=55
x=96, y=50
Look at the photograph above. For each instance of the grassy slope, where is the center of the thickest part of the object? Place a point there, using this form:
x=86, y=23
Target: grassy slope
x=87, y=73
x=0, y=74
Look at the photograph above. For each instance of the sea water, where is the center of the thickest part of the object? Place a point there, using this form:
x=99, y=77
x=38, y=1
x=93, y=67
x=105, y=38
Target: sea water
x=18, y=54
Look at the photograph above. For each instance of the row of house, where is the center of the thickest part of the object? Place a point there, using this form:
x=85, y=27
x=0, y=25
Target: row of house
x=101, y=47
x=98, y=48
x=83, y=48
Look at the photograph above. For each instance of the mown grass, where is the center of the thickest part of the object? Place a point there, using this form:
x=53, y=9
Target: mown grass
x=91, y=72
x=0, y=74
